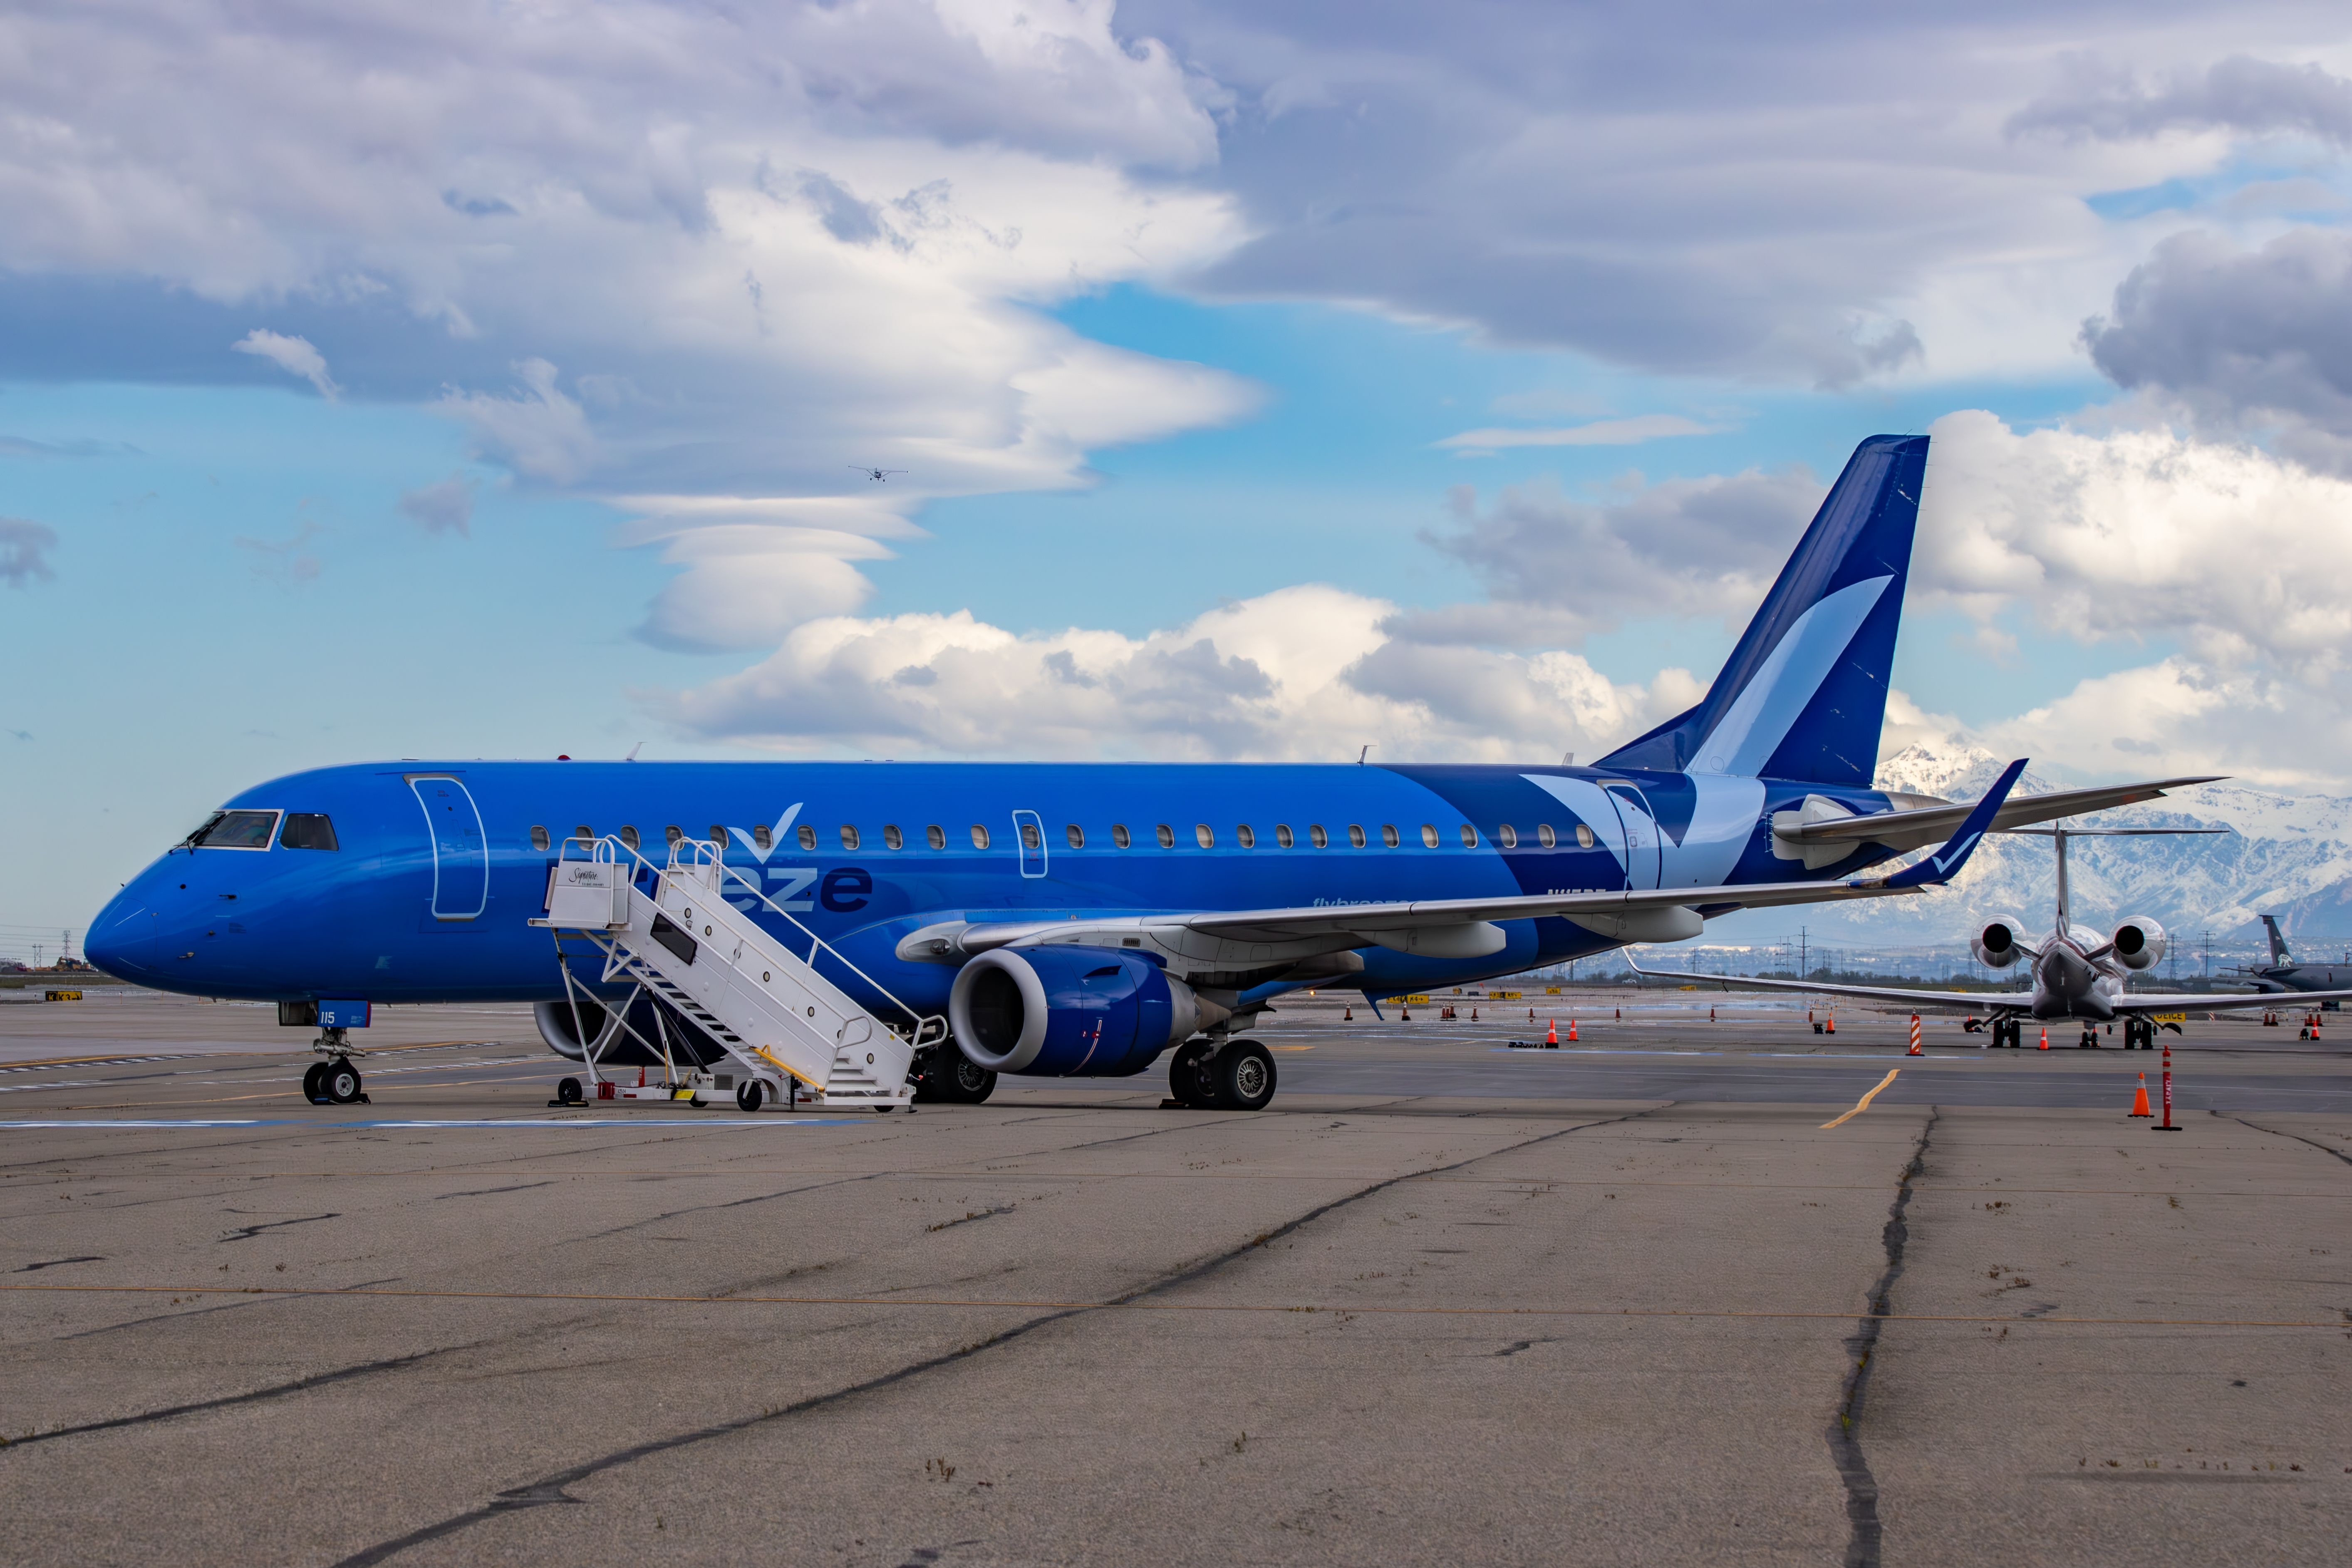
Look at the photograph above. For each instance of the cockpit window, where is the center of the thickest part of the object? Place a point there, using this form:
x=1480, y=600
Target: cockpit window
x=235, y=830
x=308, y=830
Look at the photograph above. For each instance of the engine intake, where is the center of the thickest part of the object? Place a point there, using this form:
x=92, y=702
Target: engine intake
x=2139, y=944
x=1068, y=1011
x=1996, y=944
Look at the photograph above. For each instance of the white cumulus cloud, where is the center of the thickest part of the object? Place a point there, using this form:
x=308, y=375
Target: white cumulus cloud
x=295, y=356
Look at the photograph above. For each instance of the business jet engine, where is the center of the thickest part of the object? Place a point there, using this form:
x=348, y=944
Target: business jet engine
x=2139, y=943
x=1996, y=944
x=1065, y=1010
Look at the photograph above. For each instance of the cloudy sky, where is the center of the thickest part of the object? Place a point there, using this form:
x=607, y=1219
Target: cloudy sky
x=1268, y=380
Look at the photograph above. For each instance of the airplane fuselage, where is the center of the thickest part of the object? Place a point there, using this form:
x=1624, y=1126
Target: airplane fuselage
x=2069, y=983
x=439, y=867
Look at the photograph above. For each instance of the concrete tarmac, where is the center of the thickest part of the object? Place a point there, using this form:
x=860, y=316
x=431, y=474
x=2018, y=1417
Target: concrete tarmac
x=1444, y=1302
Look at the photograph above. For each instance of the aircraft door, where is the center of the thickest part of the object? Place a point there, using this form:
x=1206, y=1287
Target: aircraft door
x=1029, y=833
x=461, y=854
x=1641, y=835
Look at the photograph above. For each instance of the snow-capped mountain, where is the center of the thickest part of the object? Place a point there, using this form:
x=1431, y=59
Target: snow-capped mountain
x=2289, y=856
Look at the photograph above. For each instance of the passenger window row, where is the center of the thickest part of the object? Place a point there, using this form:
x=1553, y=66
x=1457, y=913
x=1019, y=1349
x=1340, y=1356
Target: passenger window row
x=1505, y=835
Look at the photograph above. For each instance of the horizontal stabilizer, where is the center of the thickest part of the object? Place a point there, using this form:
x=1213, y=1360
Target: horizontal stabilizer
x=1901, y=830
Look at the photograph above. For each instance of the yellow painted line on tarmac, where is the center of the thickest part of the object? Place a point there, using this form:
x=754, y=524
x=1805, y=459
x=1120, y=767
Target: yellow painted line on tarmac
x=1864, y=1103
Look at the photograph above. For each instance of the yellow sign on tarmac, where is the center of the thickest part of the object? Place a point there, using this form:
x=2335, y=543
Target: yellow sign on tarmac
x=2170, y=1017
x=1551, y=990
x=1505, y=996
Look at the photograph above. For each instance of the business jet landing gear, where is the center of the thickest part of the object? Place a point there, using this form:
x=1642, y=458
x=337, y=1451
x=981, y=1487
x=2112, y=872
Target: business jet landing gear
x=1237, y=1075
x=334, y=1081
x=2007, y=1031
x=2139, y=1033
x=2090, y=1040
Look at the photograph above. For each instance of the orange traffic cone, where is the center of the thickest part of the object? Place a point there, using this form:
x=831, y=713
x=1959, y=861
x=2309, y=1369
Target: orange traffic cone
x=1347, y=1015
x=1551, y=1032
x=2045, y=1036
x=2140, y=1099
x=1831, y=1026
x=1571, y=1030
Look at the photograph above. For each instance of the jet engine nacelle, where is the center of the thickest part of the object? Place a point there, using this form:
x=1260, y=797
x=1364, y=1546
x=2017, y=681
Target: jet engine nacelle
x=1996, y=943
x=1063, y=1010
x=2139, y=943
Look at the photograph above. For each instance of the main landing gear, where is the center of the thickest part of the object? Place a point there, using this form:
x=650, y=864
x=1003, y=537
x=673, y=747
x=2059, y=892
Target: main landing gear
x=334, y=1081
x=943, y=1075
x=1237, y=1075
x=2139, y=1033
x=2008, y=1031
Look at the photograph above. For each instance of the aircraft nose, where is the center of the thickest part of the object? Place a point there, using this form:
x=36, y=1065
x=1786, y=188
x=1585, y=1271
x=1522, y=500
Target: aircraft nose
x=121, y=940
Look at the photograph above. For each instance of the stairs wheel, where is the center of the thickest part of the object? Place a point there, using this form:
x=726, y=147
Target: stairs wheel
x=569, y=1092
x=750, y=1093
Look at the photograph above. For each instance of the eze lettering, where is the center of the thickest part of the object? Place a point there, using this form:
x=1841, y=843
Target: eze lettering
x=795, y=881
x=844, y=889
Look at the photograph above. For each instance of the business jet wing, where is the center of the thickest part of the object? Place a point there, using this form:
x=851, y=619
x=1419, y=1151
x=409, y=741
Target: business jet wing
x=1915, y=999
x=2199, y=1002
x=1901, y=830
x=1377, y=923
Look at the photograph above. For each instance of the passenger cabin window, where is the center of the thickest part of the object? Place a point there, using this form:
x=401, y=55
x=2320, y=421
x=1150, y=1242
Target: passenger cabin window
x=1118, y=834
x=719, y=836
x=891, y=837
x=1388, y=835
x=1030, y=837
x=1355, y=836
x=979, y=837
x=1167, y=836
x=539, y=839
x=585, y=834
x=1282, y=834
x=1075, y=835
x=1507, y=836
x=1247, y=835
x=807, y=836
x=936, y=836
x=1544, y=835
x=762, y=839
x=674, y=835
x=1428, y=837
x=1583, y=836
x=1317, y=836
x=1205, y=835
x=310, y=830
x=1469, y=837
x=848, y=836
x=628, y=835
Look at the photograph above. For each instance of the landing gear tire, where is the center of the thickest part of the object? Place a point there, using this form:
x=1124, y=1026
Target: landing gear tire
x=1244, y=1075
x=749, y=1094
x=340, y=1082
x=945, y=1076
x=569, y=1092
x=1189, y=1083
x=312, y=1089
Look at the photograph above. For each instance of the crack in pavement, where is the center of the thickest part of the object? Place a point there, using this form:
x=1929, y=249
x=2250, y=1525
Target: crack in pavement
x=2331, y=1154
x=486, y=1191
x=247, y=1232
x=56, y=1262
x=551, y=1488
x=730, y=1204
x=225, y=1401
x=201, y=1311
x=1868, y=1532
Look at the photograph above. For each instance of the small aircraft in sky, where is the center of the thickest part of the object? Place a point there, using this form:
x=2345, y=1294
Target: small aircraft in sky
x=2073, y=977
x=876, y=475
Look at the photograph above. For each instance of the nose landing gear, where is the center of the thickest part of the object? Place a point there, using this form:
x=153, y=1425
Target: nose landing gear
x=334, y=1081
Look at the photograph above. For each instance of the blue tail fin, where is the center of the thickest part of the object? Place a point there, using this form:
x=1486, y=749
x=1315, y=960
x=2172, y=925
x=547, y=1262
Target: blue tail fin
x=1804, y=692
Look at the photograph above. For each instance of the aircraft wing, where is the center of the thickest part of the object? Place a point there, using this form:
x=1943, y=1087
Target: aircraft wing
x=1917, y=1001
x=1376, y=922
x=2199, y=1002
x=1902, y=830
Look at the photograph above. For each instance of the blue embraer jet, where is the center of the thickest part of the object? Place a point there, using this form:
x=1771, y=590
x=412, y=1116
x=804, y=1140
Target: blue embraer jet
x=1084, y=919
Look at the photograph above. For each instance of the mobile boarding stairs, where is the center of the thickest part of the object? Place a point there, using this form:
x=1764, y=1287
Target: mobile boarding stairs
x=788, y=1034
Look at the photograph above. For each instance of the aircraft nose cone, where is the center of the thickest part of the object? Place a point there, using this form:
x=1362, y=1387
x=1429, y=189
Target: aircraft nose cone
x=121, y=940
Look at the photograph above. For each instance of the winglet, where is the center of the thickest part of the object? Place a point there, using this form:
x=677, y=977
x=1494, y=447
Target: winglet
x=1946, y=863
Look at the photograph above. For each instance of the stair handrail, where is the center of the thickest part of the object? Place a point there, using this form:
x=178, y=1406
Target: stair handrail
x=704, y=851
